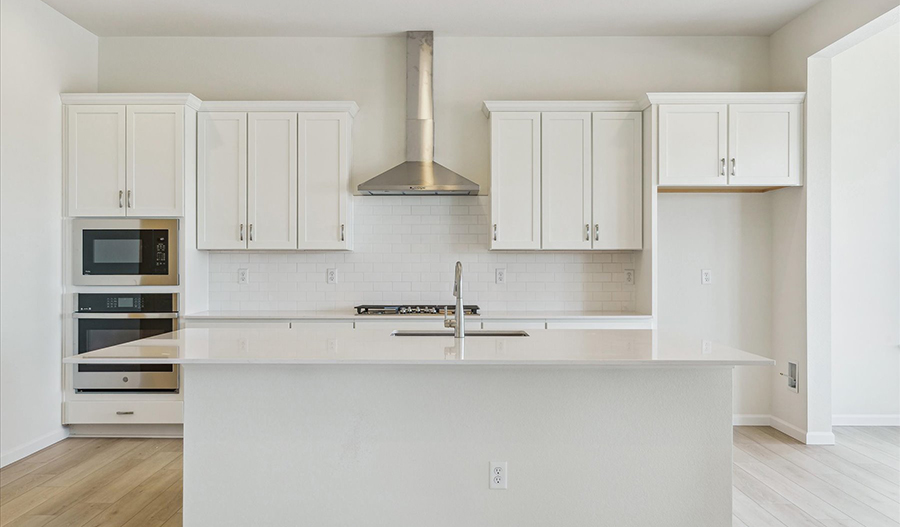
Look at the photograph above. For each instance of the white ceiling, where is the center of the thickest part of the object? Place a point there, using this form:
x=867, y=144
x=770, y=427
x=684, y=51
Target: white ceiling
x=445, y=17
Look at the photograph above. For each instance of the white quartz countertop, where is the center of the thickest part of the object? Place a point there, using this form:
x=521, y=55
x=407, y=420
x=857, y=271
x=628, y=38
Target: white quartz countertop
x=318, y=345
x=351, y=315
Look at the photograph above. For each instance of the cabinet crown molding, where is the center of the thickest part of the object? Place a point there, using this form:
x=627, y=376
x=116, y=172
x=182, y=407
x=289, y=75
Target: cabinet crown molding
x=723, y=98
x=280, y=106
x=559, y=106
x=185, y=99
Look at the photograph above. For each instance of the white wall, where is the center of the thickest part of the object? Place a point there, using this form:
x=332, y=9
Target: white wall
x=865, y=230
x=467, y=71
x=802, y=253
x=42, y=54
x=731, y=235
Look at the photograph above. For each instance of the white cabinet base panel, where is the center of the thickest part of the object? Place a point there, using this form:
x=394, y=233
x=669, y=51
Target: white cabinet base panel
x=401, y=445
x=124, y=412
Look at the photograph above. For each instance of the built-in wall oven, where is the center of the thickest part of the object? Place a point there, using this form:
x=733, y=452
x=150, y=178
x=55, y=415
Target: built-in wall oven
x=108, y=319
x=125, y=251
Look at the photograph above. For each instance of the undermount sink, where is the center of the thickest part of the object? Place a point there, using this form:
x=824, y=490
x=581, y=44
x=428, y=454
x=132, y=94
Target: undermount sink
x=449, y=333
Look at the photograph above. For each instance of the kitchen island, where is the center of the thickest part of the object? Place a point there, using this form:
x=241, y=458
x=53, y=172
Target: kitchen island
x=323, y=426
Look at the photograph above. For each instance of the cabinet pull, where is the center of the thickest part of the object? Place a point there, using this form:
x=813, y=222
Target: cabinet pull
x=596, y=232
x=733, y=167
x=121, y=203
x=722, y=172
x=495, y=232
x=242, y=232
x=342, y=232
x=130, y=201
x=587, y=232
x=250, y=231
x=129, y=412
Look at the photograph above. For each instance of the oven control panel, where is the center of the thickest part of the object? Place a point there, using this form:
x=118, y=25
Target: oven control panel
x=127, y=303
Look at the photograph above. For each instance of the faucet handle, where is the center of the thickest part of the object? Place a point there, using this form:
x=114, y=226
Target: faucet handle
x=448, y=320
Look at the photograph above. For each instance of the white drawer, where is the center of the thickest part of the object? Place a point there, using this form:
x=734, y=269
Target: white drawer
x=608, y=324
x=212, y=324
x=124, y=412
x=512, y=325
x=429, y=323
x=313, y=323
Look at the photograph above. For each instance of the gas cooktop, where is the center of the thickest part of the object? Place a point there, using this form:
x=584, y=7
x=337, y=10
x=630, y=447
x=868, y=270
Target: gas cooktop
x=414, y=310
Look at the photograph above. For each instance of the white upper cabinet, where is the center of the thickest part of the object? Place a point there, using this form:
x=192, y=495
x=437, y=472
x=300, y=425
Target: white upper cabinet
x=566, y=175
x=95, y=139
x=222, y=180
x=155, y=155
x=738, y=141
x=272, y=177
x=126, y=153
x=565, y=180
x=693, y=144
x=324, y=180
x=516, y=180
x=764, y=144
x=617, y=180
x=272, y=180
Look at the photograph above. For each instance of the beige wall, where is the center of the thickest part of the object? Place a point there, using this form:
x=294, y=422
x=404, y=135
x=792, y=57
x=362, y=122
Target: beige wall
x=42, y=54
x=467, y=71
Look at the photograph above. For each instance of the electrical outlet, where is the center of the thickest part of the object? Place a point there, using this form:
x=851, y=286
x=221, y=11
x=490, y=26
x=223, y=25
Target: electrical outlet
x=629, y=276
x=501, y=275
x=331, y=276
x=706, y=347
x=498, y=475
x=705, y=277
x=243, y=276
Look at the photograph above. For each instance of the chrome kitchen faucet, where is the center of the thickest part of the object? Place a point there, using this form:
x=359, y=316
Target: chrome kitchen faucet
x=459, y=323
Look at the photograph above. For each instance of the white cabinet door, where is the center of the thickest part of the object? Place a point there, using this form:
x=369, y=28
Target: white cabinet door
x=693, y=142
x=565, y=180
x=221, y=180
x=516, y=180
x=323, y=180
x=764, y=144
x=95, y=150
x=155, y=155
x=272, y=180
x=617, y=174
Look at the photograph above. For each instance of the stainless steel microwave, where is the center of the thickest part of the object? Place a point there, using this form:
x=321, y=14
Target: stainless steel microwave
x=125, y=251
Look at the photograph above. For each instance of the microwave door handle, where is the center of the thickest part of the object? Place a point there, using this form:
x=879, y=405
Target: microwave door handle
x=126, y=315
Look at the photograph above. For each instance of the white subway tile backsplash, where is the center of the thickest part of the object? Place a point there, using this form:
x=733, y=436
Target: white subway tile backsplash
x=405, y=250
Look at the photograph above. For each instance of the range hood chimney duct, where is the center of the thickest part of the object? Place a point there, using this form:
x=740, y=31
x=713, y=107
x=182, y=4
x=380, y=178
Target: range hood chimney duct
x=419, y=175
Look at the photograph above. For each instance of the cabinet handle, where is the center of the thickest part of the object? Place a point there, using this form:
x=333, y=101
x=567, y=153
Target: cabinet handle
x=587, y=232
x=250, y=231
x=596, y=232
x=130, y=201
x=242, y=232
x=733, y=167
x=495, y=232
x=722, y=172
x=129, y=412
x=342, y=232
x=121, y=203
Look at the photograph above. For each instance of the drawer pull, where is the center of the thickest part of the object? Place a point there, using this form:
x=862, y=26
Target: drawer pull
x=129, y=412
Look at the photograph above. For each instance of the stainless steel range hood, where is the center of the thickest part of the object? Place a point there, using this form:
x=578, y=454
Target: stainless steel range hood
x=419, y=175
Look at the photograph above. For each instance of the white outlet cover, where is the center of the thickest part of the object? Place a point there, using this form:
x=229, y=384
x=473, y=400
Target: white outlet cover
x=499, y=475
x=501, y=275
x=331, y=276
x=243, y=276
x=706, y=277
x=629, y=276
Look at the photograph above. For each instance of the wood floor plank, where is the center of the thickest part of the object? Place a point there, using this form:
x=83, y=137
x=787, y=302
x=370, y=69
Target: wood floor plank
x=94, y=463
x=891, y=434
x=26, y=502
x=21, y=486
x=870, y=439
x=13, y=471
x=876, y=454
x=119, y=487
x=158, y=511
x=749, y=512
x=176, y=519
x=123, y=510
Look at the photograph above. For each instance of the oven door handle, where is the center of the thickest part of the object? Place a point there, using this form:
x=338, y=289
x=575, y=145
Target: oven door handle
x=126, y=315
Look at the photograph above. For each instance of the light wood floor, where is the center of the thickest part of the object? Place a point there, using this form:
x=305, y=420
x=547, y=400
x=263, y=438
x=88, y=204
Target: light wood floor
x=778, y=482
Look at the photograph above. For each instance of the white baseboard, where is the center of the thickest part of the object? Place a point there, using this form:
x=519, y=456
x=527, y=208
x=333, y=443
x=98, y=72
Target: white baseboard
x=33, y=446
x=809, y=438
x=751, y=420
x=866, y=420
